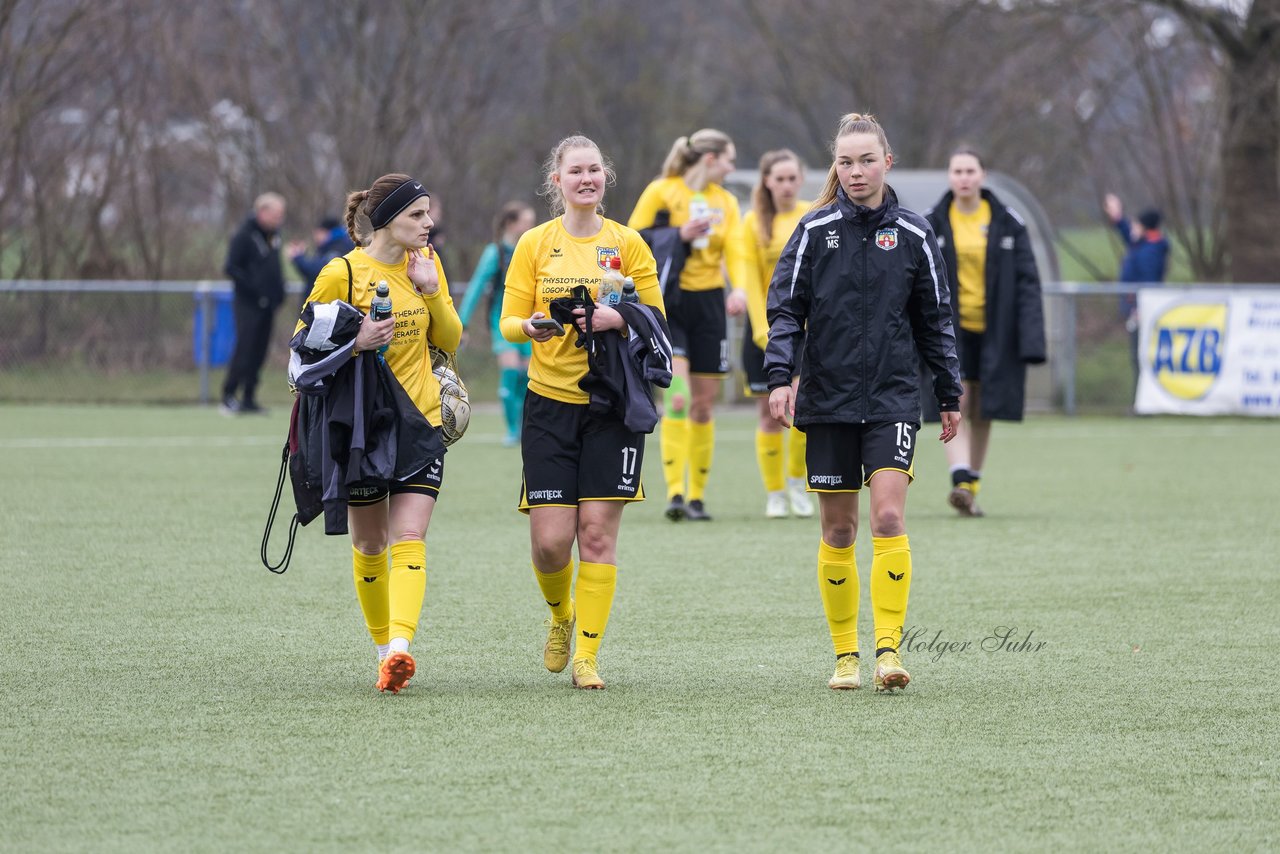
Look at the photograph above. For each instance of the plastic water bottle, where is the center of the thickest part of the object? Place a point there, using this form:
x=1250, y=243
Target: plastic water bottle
x=380, y=307
x=611, y=283
x=698, y=209
x=629, y=290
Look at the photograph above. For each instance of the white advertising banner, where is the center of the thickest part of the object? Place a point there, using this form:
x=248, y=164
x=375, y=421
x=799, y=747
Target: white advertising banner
x=1209, y=351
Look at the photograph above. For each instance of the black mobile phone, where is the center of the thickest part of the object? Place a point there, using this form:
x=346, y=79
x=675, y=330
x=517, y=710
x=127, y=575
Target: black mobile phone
x=548, y=323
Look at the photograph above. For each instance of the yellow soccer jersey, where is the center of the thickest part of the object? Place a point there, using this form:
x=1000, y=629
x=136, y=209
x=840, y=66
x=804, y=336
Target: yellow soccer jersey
x=969, y=239
x=548, y=264
x=419, y=318
x=703, y=268
x=755, y=262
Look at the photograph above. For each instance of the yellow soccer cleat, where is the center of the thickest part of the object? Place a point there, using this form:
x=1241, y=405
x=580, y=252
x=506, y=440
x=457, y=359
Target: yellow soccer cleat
x=396, y=671
x=555, y=655
x=848, y=676
x=585, y=675
x=890, y=674
x=964, y=497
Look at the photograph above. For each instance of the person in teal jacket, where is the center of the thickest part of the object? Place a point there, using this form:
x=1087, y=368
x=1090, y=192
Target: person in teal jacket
x=513, y=220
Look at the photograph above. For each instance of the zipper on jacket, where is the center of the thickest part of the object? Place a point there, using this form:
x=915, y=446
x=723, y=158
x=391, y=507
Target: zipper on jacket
x=866, y=400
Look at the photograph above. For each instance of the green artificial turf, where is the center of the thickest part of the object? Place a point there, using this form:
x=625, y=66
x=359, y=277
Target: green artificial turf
x=161, y=691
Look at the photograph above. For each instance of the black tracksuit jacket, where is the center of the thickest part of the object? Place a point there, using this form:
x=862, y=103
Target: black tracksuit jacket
x=1015, y=312
x=864, y=293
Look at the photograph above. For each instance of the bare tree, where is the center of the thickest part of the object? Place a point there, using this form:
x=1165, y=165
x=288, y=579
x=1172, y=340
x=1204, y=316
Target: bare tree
x=1249, y=48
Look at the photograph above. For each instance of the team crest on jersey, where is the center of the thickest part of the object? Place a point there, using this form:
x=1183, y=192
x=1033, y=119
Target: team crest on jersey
x=604, y=253
x=887, y=238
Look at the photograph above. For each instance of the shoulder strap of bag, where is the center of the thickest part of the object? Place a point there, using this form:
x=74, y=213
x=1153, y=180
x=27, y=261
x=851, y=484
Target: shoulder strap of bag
x=350, y=281
x=289, y=444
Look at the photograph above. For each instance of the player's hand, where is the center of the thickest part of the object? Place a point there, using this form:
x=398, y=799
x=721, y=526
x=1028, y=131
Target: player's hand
x=422, y=271
x=604, y=317
x=539, y=335
x=782, y=405
x=374, y=333
x=695, y=228
x=950, y=424
x=736, y=303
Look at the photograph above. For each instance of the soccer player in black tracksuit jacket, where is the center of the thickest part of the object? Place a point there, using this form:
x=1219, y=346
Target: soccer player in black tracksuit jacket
x=862, y=288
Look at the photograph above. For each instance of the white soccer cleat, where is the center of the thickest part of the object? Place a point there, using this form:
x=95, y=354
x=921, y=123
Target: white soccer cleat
x=801, y=503
x=776, y=506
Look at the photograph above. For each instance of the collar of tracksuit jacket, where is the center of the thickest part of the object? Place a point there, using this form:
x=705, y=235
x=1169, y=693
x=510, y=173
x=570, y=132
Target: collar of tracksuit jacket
x=862, y=215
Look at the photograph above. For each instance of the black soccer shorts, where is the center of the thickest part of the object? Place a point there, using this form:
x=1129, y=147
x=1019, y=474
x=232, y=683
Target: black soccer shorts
x=969, y=349
x=700, y=331
x=755, y=382
x=427, y=481
x=571, y=455
x=842, y=457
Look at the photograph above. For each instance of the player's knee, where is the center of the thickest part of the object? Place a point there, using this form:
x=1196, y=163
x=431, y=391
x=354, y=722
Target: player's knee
x=888, y=522
x=552, y=551
x=595, y=543
x=370, y=546
x=839, y=535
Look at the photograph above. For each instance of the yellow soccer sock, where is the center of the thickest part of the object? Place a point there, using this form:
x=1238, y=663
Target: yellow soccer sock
x=555, y=588
x=675, y=453
x=797, y=442
x=890, y=587
x=702, y=447
x=408, y=586
x=372, y=592
x=593, y=599
x=769, y=456
x=838, y=584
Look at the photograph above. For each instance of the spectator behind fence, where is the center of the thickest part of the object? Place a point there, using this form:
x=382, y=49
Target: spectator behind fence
x=253, y=264
x=995, y=295
x=331, y=241
x=1146, y=258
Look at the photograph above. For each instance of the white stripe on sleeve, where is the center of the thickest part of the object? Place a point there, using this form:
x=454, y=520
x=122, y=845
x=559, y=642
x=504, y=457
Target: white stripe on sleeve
x=928, y=253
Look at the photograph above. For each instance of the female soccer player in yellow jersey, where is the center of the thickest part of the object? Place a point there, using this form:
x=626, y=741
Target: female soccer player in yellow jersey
x=775, y=210
x=706, y=214
x=995, y=293
x=860, y=290
x=390, y=224
x=580, y=469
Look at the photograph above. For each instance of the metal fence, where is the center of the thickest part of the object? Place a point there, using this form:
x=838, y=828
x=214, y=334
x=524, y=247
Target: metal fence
x=167, y=342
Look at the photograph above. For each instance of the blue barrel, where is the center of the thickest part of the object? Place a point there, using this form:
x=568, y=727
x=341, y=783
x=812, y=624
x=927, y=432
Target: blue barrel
x=222, y=328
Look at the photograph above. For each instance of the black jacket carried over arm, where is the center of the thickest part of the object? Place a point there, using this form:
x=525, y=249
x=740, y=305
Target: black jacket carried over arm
x=1014, y=336
x=670, y=253
x=620, y=370
x=355, y=422
x=864, y=292
x=253, y=265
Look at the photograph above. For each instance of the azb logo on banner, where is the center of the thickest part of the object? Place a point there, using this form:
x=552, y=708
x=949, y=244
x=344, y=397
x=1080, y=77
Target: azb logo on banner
x=1186, y=348
x=1209, y=352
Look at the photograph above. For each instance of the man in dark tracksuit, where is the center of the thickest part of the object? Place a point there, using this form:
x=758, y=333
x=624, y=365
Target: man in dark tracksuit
x=253, y=265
